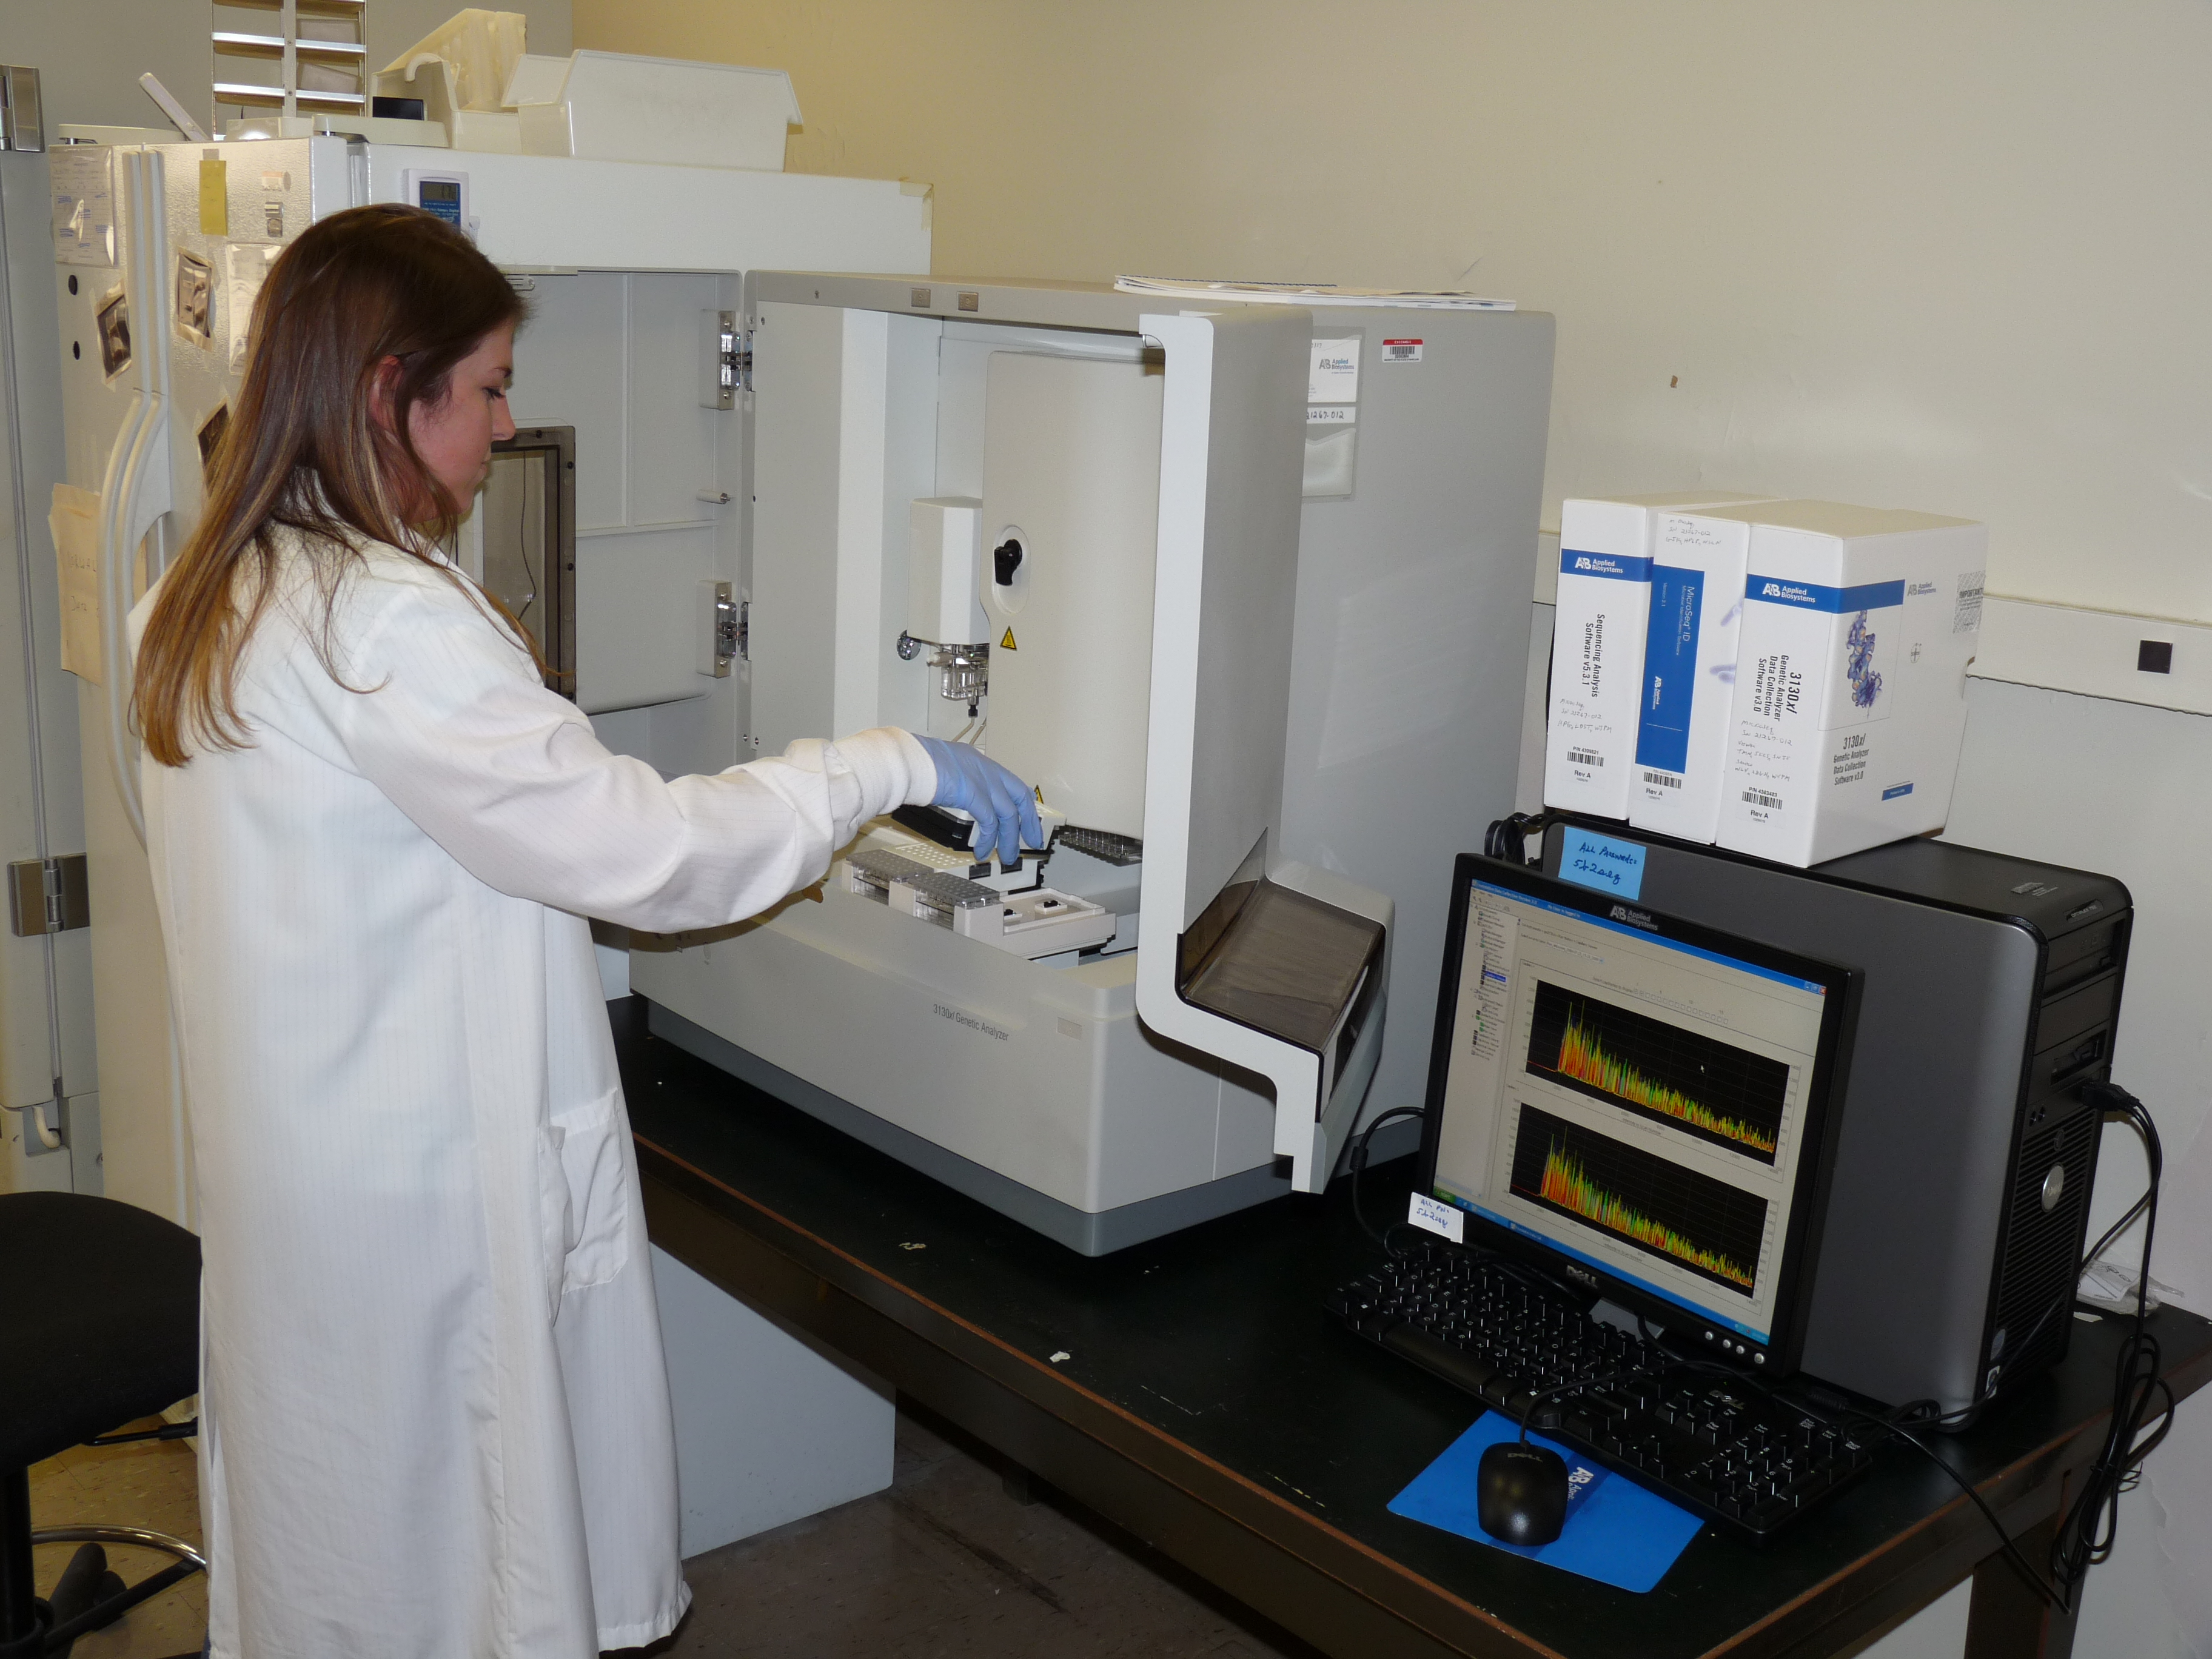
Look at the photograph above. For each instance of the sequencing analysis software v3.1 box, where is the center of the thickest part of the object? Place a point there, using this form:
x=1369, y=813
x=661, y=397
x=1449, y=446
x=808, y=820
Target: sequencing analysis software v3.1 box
x=1597, y=645
x=1850, y=705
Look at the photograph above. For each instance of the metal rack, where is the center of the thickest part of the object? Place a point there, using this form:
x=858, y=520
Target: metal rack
x=318, y=69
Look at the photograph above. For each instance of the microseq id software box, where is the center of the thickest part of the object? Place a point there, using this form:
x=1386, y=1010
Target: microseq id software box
x=1850, y=705
x=1698, y=561
x=1597, y=645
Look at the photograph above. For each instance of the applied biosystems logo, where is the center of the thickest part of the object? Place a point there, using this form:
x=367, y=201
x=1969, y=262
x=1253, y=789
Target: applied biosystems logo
x=1616, y=566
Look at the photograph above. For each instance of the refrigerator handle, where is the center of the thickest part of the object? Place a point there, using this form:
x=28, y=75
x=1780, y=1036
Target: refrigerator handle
x=145, y=497
x=137, y=489
x=115, y=668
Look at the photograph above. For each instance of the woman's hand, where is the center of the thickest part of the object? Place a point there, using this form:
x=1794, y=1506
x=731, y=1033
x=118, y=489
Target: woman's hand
x=1004, y=809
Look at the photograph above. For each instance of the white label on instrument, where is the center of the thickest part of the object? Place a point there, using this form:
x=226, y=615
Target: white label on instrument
x=1401, y=351
x=1334, y=374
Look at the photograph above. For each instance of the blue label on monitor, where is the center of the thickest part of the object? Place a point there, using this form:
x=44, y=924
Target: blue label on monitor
x=1811, y=596
x=1895, y=790
x=1616, y=566
x=1592, y=860
x=1670, y=668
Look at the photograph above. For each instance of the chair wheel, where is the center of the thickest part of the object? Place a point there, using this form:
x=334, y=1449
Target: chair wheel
x=111, y=1586
x=84, y=1584
x=79, y=1586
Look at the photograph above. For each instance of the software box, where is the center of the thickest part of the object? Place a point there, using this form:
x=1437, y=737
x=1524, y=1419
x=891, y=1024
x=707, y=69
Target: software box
x=1849, y=703
x=1698, y=561
x=1597, y=645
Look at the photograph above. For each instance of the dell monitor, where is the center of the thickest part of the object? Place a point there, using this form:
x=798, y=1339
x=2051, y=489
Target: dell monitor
x=1637, y=1104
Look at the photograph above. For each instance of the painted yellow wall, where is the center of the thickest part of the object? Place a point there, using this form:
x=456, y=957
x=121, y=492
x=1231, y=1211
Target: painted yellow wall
x=1949, y=255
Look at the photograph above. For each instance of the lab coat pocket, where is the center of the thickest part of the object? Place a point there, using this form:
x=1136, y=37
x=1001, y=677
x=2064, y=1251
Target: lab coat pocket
x=586, y=1200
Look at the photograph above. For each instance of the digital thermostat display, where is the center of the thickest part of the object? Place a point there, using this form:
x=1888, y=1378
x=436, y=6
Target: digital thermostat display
x=445, y=194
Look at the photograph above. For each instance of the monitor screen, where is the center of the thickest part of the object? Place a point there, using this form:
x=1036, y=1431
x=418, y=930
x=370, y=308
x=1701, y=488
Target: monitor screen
x=1643, y=1098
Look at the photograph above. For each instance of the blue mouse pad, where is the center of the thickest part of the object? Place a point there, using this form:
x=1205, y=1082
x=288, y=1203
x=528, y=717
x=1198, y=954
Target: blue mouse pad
x=1616, y=1533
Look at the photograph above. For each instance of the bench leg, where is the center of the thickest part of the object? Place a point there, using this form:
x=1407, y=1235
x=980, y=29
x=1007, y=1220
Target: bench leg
x=2007, y=1620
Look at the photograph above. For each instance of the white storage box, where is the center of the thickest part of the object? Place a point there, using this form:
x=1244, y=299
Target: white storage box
x=460, y=71
x=615, y=107
x=1849, y=703
x=1597, y=646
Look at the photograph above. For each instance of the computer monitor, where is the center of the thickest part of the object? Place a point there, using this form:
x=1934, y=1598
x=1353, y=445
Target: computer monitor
x=1636, y=1103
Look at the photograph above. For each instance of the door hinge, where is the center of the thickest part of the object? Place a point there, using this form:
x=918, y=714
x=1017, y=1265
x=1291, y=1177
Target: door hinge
x=723, y=641
x=48, y=895
x=729, y=365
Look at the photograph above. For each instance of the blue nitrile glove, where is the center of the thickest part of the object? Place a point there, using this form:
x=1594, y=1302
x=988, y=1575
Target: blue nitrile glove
x=1000, y=802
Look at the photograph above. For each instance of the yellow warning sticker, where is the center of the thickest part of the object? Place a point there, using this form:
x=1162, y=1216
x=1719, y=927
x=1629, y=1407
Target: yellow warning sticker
x=1007, y=643
x=214, y=198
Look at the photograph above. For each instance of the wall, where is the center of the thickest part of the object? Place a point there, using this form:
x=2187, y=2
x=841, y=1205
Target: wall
x=90, y=53
x=1938, y=256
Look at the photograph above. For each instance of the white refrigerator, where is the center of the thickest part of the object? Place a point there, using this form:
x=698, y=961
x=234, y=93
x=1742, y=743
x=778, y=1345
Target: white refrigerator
x=50, y=1130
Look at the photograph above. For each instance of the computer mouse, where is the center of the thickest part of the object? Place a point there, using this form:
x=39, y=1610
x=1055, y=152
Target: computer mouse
x=1521, y=1493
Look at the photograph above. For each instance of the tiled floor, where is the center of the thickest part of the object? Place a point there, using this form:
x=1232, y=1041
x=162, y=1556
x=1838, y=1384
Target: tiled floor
x=945, y=1563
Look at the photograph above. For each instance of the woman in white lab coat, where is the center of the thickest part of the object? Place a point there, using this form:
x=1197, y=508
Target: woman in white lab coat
x=434, y=1416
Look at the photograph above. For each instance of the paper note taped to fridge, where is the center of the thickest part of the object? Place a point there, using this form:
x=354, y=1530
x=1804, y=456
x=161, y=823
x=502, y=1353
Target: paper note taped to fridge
x=75, y=521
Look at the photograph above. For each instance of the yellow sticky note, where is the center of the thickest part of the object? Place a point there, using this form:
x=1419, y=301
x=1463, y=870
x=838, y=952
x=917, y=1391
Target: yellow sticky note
x=214, y=198
x=75, y=521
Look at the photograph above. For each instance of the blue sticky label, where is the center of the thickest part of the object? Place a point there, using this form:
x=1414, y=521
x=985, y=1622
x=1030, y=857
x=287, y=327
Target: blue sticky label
x=1811, y=596
x=1614, y=566
x=1600, y=861
x=1670, y=668
x=1895, y=790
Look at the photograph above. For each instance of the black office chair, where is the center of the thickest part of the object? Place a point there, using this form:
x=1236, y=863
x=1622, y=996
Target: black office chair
x=99, y=1321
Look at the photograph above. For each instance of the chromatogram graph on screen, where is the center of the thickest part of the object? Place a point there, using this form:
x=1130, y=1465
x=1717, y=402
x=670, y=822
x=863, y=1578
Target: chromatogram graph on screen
x=1674, y=1213
x=1707, y=1088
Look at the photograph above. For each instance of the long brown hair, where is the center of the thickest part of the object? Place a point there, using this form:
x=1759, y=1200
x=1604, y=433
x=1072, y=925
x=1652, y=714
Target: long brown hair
x=303, y=450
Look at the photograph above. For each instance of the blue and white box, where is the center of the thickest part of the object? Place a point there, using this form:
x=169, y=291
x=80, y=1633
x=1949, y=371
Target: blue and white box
x=1698, y=561
x=1597, y=645
x=1850, y=683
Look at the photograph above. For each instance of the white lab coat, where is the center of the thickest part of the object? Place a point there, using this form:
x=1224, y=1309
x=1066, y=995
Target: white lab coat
x=435, y=1418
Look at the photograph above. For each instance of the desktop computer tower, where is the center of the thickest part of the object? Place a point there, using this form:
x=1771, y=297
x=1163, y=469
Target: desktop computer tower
x=1952, y=1238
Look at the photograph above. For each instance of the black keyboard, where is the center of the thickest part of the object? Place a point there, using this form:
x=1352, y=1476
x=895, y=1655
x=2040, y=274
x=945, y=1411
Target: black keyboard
x=1717, y=1446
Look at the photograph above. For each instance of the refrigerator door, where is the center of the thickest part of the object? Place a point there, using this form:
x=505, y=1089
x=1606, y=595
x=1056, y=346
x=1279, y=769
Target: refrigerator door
x=51, y=1131
x=118, y=408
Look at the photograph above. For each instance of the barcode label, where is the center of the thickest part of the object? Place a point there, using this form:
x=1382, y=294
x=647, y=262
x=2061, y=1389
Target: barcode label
x=1664, y=780
x=1401, y=351
x=1760, y=798
x=1585, y=757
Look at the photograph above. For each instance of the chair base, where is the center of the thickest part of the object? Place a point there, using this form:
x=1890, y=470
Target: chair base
x=89, y=1597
